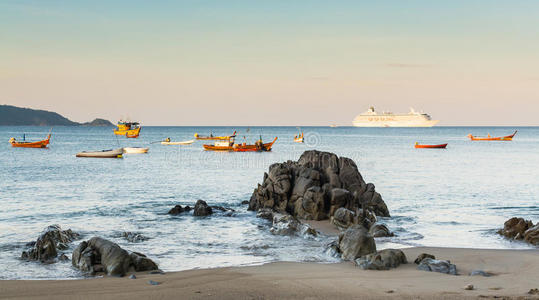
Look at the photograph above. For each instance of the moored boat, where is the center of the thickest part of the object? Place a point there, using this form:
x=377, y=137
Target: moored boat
x=136, y=150
x=211, y=137
x=440, y=146
x=489, y=138
x=169, y=142
x=114, y=153
x=220, y=146
x=128, y=129
x=299, y=138
x=259, y=146
x=24, y=144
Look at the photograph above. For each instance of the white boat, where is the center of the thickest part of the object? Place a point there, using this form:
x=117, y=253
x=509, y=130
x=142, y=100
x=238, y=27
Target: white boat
x=177, y=143
x=135, y=150
x=371, y=118
x=116, y=153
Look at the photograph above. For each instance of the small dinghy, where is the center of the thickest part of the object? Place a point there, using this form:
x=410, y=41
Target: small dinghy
x=115, y=153
x=168, y=142
x=490, y=138
x=135, y=150
x=440, y=146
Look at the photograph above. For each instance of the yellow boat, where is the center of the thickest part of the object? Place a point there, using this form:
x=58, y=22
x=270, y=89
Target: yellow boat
x=129, y=129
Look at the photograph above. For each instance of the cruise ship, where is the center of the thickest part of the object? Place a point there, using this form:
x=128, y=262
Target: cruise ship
x=371, y=118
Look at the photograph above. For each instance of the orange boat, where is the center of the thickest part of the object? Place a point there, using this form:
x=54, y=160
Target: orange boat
x=219, y=138
x=38, y=144
x=257, y=147
x=440, y=146
x=221, y=146
x=489, y=138
x=131, y=136
x=299, y=138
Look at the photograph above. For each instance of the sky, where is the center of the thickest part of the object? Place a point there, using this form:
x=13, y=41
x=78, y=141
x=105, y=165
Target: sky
x=272, y=62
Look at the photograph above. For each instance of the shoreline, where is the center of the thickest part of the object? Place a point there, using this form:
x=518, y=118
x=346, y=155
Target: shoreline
x=515, y=272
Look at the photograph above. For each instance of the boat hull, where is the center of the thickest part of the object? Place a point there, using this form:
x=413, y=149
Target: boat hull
x=218, y=148
x=440, y=146
x=130, y=133
x=254, y=148
x=38, y=144
x=116, y=153
x=136, y=150
x=500, y=138
x=178, y=143
x=215, y=138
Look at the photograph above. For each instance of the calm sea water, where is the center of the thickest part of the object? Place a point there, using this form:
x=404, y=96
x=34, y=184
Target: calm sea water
x=456, y=197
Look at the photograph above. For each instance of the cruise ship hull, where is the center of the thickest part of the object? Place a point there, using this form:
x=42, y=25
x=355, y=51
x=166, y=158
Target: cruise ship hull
x=389, y=123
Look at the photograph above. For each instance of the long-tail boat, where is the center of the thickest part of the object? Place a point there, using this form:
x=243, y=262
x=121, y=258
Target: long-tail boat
x=219, y=138
x=489, y=138
x=128, y=129
x=24, y=144
x=221, y=146
x=440, y=146
x=299, y=138
x=259, y=146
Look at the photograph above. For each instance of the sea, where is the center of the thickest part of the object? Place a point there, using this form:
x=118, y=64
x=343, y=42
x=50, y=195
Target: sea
x=454, y=197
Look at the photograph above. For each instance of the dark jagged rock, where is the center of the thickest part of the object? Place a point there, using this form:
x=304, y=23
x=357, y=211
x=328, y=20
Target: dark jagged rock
x=51, y=239
x=520, y=229
x=382, y=260
x=245, y=202
x=100, y=255
x=435, y=265
x=315, y=187
x=265, y=213
x=380, y=230
x=355, y=242
x=178, y=209
x=134, y=237
x=422, y=256
x=202, y=209
x=514, y=228
x=343, y=218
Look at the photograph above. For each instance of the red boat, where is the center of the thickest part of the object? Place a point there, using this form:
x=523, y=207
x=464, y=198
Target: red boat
x=489, y=138
x=131, y=136
x=24, y=144
x=257, y=147
x=440, y=146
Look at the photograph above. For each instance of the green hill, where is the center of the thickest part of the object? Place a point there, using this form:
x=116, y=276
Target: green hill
x=18, y=116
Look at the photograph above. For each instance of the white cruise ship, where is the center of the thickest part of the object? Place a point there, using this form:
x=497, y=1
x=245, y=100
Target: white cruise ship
x=371, y=118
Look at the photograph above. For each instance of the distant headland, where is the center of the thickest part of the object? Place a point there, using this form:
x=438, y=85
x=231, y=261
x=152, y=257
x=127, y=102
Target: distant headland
x=19, y=116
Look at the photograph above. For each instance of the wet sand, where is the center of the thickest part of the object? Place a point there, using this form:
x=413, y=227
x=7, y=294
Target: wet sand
x=515, y=273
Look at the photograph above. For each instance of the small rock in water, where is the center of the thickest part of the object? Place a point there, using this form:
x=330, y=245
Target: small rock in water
x=469, y=287
x=422, y=256
x=132, y=276
x=154, y=282
x=63, y=257
x=245, y=202
x=480, y=273
x=202, y=209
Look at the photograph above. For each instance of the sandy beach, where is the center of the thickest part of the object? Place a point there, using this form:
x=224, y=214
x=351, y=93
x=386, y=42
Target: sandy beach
x=515, y=272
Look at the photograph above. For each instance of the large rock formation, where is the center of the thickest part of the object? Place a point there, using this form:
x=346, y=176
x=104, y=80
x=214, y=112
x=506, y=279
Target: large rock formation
x=100, y=255
x=51, y=239
x=520, y=229
x=289, y=225
x=315, y=187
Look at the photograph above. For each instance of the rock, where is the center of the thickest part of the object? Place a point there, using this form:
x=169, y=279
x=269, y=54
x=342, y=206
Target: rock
x=265, y=213
x=355, y=242
x=63, y=257
x=380, y=230
x=100, y=255
x=343, y=218
x=515, y=228
x=202, y=209
x=51, y=239
x=178, y=209
x=532, y=235
x=132, y=276
x=434, y=265
x=289, y=225
x=533, y=292
x=422, y=256
x=245, y=202
x=154, y=282
x=134, y=237
x=332, y=249
x=480, y=273
x=382, y=260
x=469, y=287
x=315, y=187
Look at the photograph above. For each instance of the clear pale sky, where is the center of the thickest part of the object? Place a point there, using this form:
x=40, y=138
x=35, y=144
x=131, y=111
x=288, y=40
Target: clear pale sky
x=272, y=62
